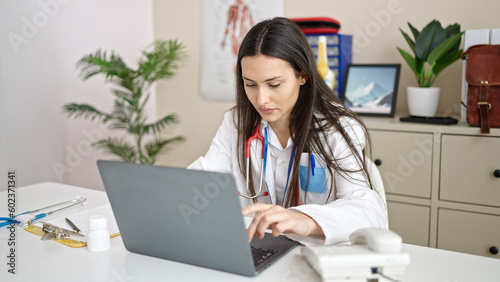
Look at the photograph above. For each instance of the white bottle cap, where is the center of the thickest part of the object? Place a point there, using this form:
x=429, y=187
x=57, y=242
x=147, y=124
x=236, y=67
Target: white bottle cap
x=98, y=222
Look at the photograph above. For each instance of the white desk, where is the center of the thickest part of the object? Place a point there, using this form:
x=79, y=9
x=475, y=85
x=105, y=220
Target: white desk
x=50, y=261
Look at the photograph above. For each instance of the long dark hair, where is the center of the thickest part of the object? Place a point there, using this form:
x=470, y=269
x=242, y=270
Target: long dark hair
x=316, y=113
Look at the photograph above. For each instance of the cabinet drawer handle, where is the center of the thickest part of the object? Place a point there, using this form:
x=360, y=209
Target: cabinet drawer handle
x=496, y=173
x=378, y=162
x=493, y=250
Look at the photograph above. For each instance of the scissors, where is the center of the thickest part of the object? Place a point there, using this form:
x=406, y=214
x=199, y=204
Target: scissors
x=258, y=136
x=27, y=218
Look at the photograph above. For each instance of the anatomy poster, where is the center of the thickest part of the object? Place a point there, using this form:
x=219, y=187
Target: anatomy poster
x=225, y=23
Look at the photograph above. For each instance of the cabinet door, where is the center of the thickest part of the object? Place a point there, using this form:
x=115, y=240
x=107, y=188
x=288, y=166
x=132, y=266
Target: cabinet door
x=468, y=165
x=405, y=161
x=469, y=232
x=410, y=221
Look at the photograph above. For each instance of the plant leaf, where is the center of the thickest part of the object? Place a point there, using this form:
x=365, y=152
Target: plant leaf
x=117, y=147
x=161, y=61
x=410, y=61
x=124, y=96
x=424, y=40
x=443, y=48
x=408, y=40
x=444, y=62
x=161, y=124
x=84, y=111
x=452, y=30
x=414, y=31
x=99, y=62
x=154, y=147
x=438, y=38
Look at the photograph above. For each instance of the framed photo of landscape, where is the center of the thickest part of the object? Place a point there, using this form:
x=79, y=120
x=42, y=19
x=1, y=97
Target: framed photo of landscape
x=371, y=89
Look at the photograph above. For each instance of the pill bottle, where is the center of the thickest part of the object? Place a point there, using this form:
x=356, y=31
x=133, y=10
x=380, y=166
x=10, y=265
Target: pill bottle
x=98, y=237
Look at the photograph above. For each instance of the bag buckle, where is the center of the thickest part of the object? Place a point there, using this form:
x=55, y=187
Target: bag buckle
x=479, y=104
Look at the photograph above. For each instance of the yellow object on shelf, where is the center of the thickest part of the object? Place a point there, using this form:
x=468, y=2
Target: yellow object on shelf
x=326, y=73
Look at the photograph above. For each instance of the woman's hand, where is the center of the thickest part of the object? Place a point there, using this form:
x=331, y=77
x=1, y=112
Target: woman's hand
x=279, y=220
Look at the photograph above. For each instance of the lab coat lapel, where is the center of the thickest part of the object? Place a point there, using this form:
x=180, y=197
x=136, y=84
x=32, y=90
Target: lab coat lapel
x=270, y=179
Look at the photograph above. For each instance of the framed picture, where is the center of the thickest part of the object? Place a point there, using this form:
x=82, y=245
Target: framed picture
x=371, y=89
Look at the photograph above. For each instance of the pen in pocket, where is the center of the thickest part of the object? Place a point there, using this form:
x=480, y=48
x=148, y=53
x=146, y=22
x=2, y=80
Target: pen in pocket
x=313, y=164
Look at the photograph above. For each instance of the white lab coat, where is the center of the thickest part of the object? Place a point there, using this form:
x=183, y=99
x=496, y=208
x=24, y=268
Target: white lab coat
x=353, y=205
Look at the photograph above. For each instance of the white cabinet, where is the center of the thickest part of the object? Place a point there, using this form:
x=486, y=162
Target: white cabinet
x=410, y=221
x=469, y=232
x=442, y=183
x=473, y=181
x=406, y=170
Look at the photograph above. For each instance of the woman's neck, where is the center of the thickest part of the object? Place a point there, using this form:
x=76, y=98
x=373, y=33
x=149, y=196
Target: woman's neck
x=282, y=132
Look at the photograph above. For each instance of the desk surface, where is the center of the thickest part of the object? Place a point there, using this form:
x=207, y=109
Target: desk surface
x=38, y=260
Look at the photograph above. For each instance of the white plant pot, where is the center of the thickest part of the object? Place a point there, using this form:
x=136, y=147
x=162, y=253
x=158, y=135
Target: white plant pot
x=423, y=101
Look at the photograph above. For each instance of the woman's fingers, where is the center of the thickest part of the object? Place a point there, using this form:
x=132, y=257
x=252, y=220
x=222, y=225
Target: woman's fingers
x=269, y=220
x=257, y=227
x=256, y=208
x=273, y=217
x=279, y=220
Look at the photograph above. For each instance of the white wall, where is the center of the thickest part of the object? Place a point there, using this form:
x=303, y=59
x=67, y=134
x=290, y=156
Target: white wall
x=40, y=43
x=4, y=153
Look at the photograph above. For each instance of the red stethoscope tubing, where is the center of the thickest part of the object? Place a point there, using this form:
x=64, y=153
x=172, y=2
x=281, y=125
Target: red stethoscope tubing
x=257, y=135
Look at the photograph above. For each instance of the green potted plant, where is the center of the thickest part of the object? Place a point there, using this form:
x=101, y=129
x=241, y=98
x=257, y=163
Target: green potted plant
x=142, y=142
x=434, y=49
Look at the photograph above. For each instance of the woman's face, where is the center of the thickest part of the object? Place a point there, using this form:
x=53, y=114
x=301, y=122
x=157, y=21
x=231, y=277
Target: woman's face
x=272, y=86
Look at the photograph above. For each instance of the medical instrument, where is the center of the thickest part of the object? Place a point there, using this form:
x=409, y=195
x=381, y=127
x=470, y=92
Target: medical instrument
x=27, y=218
x=258, y=136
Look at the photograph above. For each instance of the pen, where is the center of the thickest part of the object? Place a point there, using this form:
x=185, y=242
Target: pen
x=313, y=164
x=77, y=230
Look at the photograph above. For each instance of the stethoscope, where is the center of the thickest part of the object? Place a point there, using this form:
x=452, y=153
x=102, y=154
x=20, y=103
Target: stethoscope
x=264, y=140
x=27, y=218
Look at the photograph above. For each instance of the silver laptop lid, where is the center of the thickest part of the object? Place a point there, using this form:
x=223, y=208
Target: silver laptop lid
x=177, y=214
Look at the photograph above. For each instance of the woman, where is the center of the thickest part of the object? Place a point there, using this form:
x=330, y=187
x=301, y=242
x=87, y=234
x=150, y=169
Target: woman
x=315, y=186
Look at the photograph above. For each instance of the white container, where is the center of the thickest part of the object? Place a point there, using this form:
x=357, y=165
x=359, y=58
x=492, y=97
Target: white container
x=423, y=101
x=98, y=239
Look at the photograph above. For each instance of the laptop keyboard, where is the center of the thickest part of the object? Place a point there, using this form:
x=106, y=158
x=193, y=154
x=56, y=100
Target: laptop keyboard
x=260, y=255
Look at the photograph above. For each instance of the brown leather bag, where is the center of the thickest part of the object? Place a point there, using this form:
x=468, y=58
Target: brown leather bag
x=483, y=76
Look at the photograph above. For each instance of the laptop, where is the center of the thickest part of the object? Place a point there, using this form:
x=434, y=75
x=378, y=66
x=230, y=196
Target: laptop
x=187, y=216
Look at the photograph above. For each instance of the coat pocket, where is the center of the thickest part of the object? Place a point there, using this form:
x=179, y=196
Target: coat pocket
x=312, y=178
